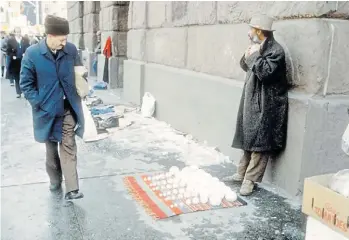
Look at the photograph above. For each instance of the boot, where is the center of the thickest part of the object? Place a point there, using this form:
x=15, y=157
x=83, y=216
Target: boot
x=237, y=177
x=74, y=195
x=246, y=188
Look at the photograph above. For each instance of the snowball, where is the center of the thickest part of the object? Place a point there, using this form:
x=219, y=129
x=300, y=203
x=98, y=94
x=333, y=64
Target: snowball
x=182, y=184
x=215, y=200
x=186, y=194
x=174, y=170
x=168, y=186
x=181, y=190
x=180, y=196
x=203, y=199
x=193, y=167
x=231, y=196
x=175, y=191
x=193, y=194
x=188, y=201
x=195, y=200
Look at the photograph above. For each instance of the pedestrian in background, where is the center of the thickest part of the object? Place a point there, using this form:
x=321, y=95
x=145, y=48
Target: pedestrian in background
x=48, y=83
x=261, y=125
x=3, y=53
x=16, y=48
x=97, y=51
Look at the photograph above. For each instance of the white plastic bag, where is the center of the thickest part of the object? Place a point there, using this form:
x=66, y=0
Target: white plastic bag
x=340, y=182
x=90, y=133
x=148, y=105
x=345, y=141
x=81, y=83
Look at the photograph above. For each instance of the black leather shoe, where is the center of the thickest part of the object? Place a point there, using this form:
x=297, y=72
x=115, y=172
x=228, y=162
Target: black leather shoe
x=73, y=195
x=55, y=187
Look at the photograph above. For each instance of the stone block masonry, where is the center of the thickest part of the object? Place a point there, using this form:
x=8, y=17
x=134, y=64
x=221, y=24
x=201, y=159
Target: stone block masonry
x=136, y=44
x=113, y=18
x=90, y=41
x=76, y=26
x=91, y=23
x=91, y=7
x=105, y=4
x=75, y=10
x=167, y=46
x=116, y=72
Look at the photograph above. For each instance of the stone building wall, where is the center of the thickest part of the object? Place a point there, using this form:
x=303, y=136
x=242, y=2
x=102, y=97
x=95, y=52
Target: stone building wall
x=110, y=17
x=113, y=23
x=187, y=55
x=91, y=24
x=75, y=18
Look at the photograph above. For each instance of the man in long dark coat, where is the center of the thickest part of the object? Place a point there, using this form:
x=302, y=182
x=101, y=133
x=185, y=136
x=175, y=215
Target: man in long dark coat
x=16, y=48
x=48, y=83
x=262, y=118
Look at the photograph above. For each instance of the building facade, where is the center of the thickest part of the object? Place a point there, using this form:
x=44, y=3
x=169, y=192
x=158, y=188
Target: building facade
x=187, y=55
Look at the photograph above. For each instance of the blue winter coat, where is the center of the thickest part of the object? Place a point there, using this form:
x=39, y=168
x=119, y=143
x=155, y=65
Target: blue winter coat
x=44, y=82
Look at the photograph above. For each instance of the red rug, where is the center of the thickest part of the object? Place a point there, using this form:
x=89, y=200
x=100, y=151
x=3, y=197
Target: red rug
x=160, y=207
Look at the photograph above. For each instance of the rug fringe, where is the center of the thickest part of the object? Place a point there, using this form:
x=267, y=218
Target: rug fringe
x=135, y=195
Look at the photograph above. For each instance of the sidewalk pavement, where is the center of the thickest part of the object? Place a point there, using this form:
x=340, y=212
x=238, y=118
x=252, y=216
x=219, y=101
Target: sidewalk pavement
x=30, y=211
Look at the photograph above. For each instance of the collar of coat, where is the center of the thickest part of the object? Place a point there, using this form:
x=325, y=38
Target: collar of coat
x=267, y=44
x=44, y=49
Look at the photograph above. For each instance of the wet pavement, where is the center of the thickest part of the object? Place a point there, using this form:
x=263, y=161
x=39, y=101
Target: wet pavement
x=30, y=211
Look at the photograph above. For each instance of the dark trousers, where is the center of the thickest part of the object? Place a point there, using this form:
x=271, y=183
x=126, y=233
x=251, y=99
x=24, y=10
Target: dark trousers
x=2, y=71
x=63, y=161
x=15, y=69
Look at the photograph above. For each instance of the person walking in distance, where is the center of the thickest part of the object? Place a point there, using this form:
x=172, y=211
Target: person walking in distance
x=16, y=48
x=3, y=53
x=261, y=125
x=48, y=83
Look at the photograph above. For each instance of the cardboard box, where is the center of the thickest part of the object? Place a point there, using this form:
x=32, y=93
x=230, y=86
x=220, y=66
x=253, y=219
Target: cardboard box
x=325, y=205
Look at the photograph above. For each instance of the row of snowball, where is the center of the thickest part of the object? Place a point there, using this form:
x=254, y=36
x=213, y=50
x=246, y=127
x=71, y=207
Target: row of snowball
x=192, y=182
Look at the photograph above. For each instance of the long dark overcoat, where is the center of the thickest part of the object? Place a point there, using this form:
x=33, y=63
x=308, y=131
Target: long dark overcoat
x=262, y=118
x=11, y=51
x=44, y=82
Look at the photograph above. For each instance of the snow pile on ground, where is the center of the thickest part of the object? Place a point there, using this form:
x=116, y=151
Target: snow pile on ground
x=151, y=133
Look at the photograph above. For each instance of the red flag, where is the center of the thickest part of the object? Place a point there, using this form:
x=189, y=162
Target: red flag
x=107, y=48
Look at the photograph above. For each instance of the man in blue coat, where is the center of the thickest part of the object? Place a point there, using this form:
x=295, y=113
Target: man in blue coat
x=48, y=83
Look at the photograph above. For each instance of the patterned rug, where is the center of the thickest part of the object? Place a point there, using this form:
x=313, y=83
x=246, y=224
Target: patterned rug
x=159, y=207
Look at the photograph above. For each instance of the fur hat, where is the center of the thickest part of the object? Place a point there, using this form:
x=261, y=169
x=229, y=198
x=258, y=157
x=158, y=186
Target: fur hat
x=56, y=25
